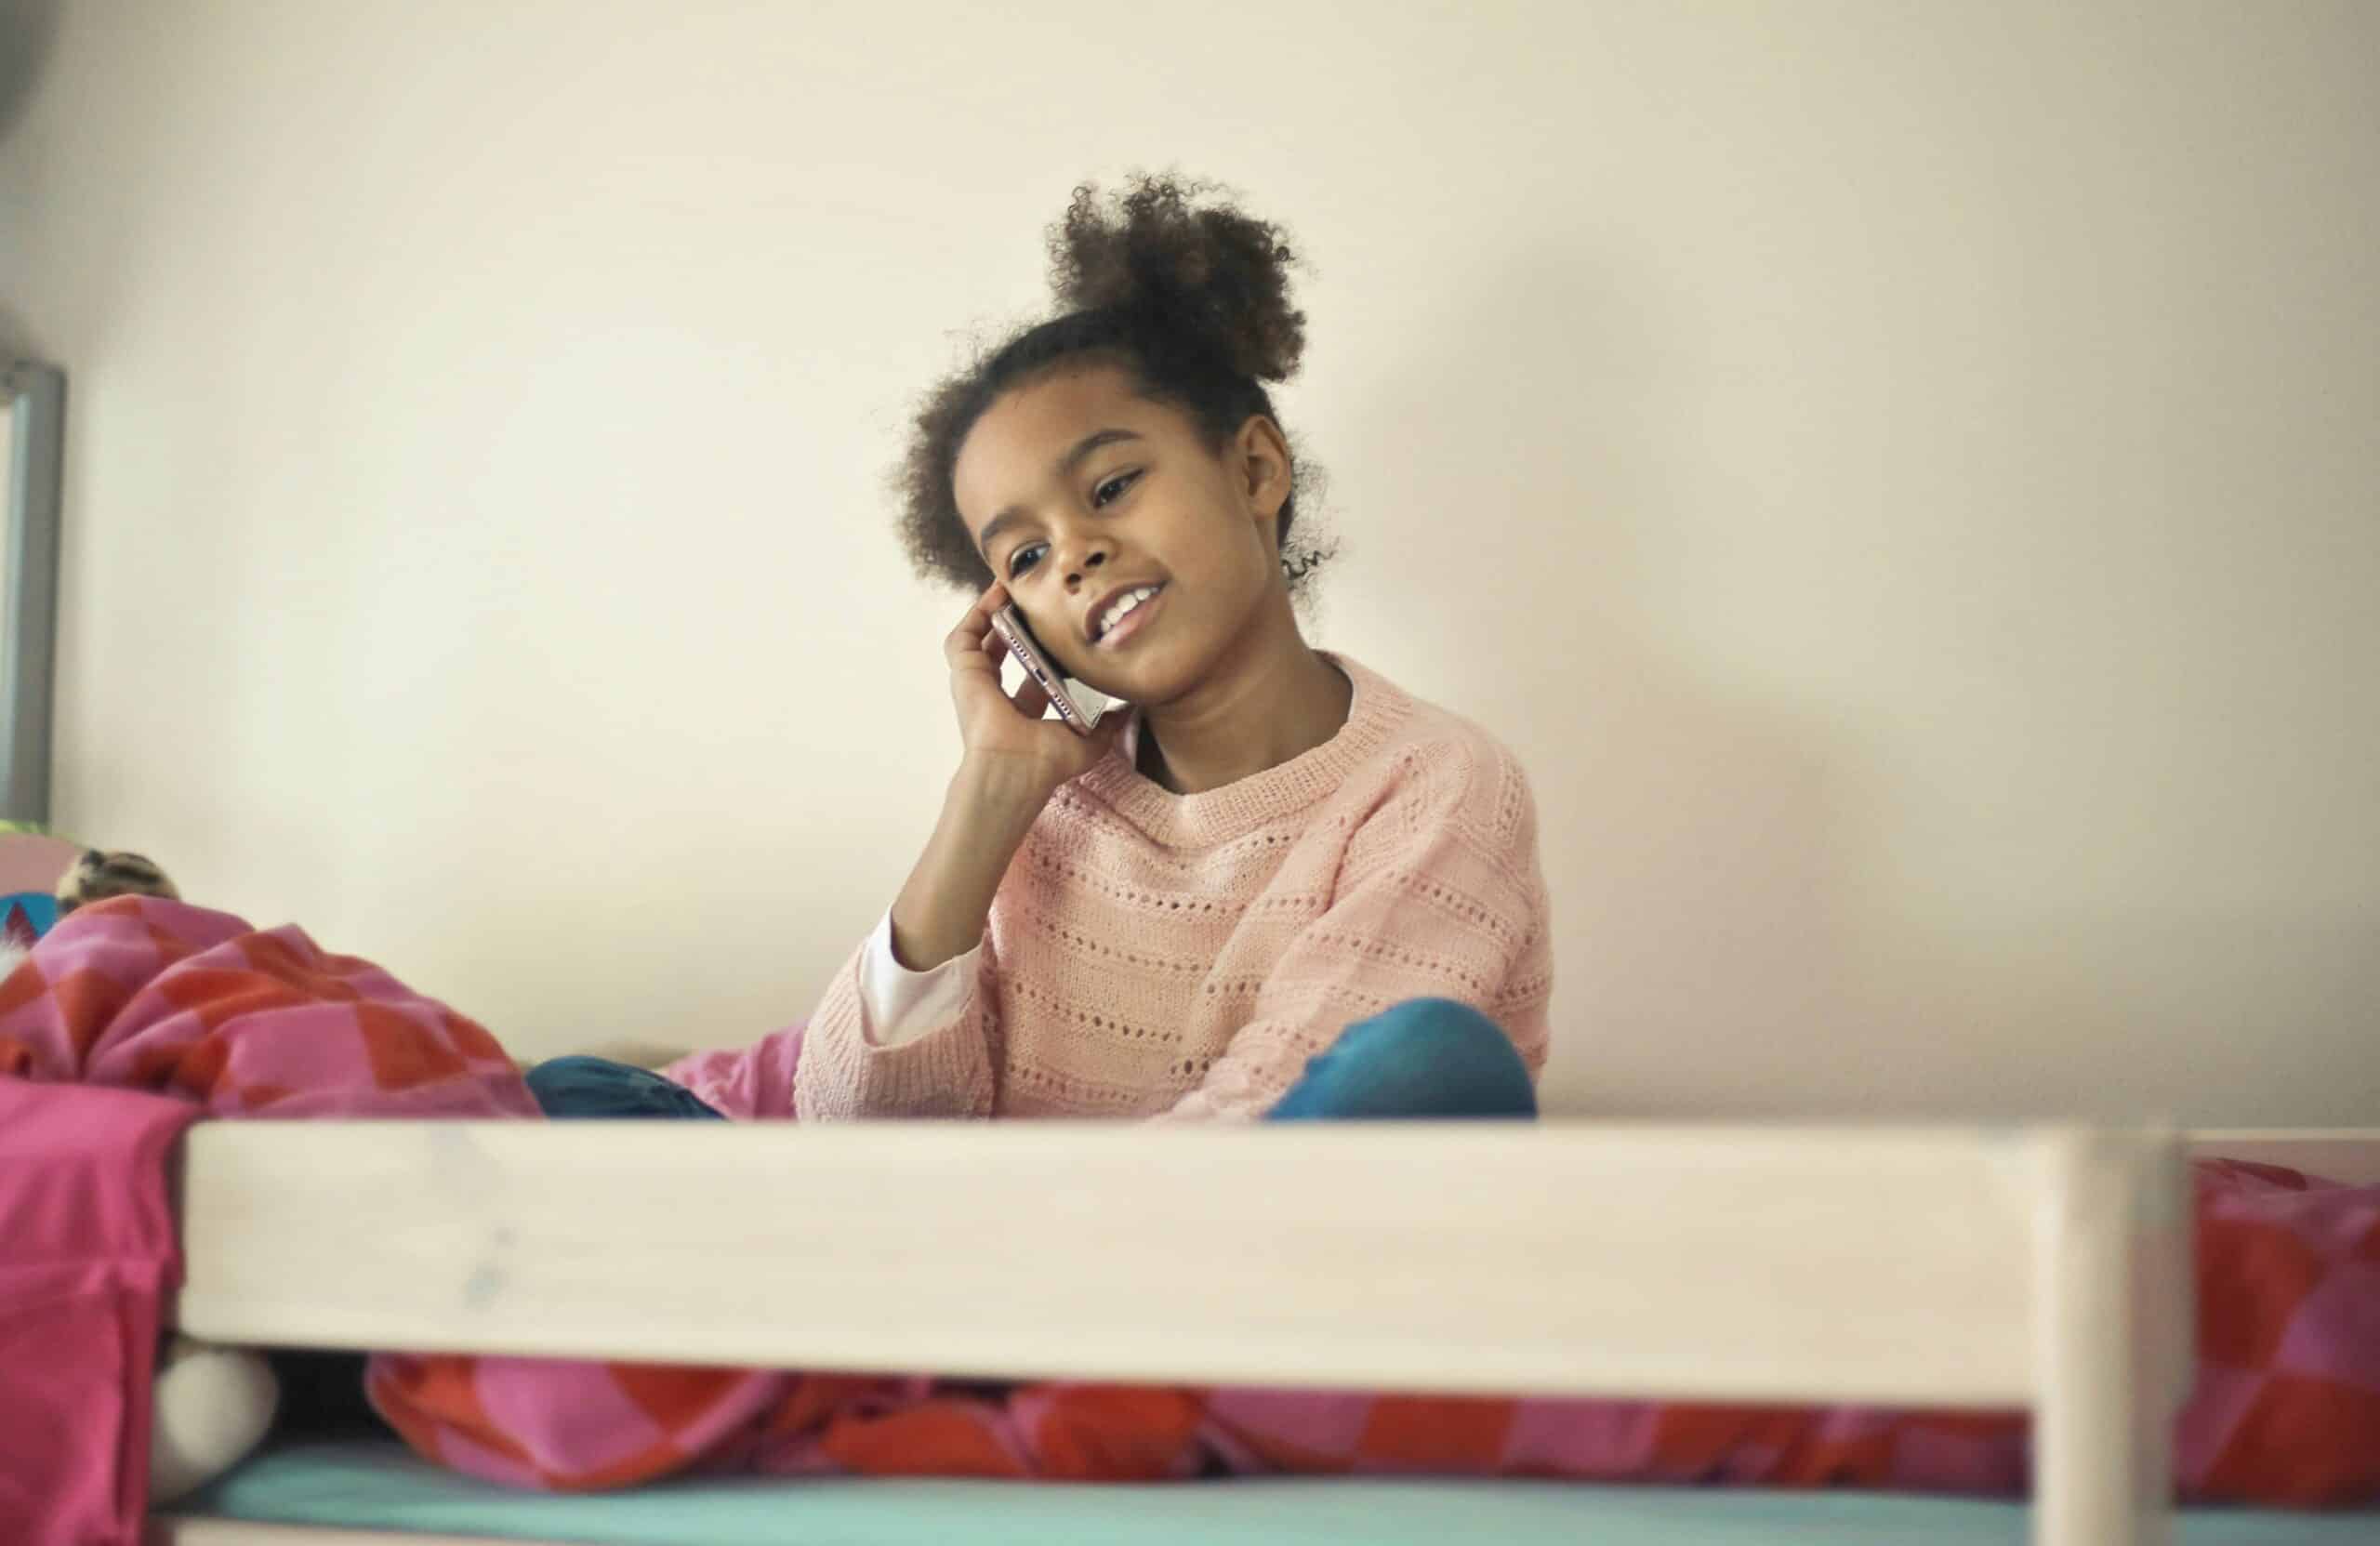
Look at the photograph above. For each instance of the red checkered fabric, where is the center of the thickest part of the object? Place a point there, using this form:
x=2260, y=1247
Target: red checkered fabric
x=2286, y=1408
x=143, y=993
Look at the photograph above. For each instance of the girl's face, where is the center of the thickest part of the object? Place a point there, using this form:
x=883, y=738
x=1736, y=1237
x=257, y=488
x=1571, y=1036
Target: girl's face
x=1079, y=493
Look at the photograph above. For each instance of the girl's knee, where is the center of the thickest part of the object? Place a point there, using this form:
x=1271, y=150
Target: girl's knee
x=557, y=1080
x=1443, y=1030
x=1423, y=1057
x=582, y=1086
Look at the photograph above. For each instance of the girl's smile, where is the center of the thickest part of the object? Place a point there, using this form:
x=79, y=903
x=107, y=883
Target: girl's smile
x=1118, y=621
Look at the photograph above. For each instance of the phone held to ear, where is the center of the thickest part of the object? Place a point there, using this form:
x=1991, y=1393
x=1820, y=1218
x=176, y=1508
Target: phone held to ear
x=1079, y=707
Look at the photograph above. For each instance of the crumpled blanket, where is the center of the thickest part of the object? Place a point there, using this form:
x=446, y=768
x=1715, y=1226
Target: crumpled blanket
x=140, y=993
x=166, y=997
x=86, y=1257
x=128, y=1020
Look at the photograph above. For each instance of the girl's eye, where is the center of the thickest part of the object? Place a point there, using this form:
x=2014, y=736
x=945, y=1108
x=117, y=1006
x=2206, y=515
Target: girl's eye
x=1119, y=482
x=1024, y=559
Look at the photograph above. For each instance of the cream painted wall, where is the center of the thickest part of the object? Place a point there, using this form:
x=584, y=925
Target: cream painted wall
x=1904, y=478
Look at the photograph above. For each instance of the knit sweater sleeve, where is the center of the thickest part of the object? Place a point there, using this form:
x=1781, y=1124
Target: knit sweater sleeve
x=941, y=1070
x=1440, y=895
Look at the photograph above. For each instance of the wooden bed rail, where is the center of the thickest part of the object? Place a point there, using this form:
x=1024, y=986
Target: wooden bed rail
x=1751, y=1263
x=2044, y=1267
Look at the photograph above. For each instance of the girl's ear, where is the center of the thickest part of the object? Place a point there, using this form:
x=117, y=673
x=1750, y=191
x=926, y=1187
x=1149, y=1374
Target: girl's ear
x=1265, y=459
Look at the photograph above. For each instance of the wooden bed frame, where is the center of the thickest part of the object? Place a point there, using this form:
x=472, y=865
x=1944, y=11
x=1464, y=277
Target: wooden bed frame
x=2044, y=1267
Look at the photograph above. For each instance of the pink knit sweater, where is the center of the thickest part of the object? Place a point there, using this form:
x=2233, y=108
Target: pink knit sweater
x=1154, y=954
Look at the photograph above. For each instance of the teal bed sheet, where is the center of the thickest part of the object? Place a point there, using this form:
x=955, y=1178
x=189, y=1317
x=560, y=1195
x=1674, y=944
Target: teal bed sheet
x=380, y=1486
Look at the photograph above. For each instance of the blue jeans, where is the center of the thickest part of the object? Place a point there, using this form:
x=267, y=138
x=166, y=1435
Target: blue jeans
x=1425, y=1057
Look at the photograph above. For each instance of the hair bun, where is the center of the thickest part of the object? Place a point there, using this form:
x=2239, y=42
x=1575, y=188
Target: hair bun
x=1213, y=278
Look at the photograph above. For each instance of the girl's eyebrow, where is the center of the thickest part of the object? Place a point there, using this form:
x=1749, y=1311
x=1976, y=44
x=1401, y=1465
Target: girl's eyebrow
x=1063, y=464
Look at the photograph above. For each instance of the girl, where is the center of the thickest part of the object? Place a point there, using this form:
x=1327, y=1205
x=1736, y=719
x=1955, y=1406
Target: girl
x=1278, y=886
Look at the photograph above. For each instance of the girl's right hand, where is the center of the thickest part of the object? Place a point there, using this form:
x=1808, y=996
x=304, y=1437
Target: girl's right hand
x=1009, y=732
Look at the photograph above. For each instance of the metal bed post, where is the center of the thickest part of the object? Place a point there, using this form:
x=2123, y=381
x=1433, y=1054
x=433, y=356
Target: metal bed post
x=35, y=397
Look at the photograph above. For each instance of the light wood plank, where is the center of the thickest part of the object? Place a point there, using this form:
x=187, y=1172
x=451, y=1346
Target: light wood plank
x=2112, y=1295
x=1744, y=1262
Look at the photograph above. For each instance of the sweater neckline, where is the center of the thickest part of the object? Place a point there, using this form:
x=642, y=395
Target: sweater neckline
x=1377, y=707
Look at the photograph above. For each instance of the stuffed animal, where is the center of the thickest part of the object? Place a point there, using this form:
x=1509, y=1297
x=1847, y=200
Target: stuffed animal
x=96, y=876
x=212, y=1405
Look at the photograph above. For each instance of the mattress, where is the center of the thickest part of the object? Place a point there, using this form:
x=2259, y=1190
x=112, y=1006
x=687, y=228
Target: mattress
x=377, y=1484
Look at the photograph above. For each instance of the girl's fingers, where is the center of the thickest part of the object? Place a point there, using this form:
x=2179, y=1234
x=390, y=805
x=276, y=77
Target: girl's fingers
x=969, y=646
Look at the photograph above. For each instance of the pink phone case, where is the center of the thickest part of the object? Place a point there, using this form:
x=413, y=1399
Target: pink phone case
x=1079, y=717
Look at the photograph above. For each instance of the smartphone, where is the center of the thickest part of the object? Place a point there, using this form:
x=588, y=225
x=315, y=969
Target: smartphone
x=1078, y=705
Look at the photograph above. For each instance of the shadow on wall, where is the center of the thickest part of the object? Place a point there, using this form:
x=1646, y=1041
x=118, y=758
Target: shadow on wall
x=143, y=67
x=28, y=32
x=1729, y=939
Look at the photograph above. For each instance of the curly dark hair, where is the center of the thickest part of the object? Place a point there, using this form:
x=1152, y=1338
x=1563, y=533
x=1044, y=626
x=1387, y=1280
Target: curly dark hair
x=1193, y=302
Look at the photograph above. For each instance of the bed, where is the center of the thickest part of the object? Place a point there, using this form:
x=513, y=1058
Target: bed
x=1723, y=1262
x=1731, y=1263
